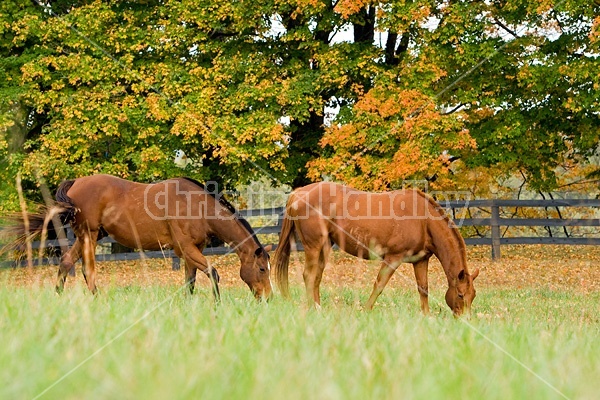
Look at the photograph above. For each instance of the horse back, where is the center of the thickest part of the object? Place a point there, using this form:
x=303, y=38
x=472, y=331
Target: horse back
x=126, y=210
x=394, y=221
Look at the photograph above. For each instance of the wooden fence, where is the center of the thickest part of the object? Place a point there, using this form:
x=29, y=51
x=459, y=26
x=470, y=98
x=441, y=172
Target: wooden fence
x=495, y=222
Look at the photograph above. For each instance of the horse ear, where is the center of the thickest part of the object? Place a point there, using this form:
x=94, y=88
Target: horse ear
x=475, y=274
x=268, y=248
x=258, y=252
x=462, y=275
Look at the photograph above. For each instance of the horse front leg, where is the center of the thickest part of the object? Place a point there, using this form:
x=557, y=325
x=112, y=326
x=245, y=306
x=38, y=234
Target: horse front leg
x=388, y=267
x=195, y=260
x=421, y=269
x=213, y=275
x=323, y=256
x=190, y=276
x=190, y=267
x=67, y=262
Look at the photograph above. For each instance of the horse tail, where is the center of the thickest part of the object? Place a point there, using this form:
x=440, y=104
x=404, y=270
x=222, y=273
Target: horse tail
x=25, y=227
x=282, y=255
x=61, y=192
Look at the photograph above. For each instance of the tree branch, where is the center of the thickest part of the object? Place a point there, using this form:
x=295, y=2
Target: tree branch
x=580, y=182
x=565, y=230
x=455, y=109
x=506, y=28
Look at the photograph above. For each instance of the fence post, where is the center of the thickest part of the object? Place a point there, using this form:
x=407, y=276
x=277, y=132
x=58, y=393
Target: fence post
x=175, y=263
x=495, y=231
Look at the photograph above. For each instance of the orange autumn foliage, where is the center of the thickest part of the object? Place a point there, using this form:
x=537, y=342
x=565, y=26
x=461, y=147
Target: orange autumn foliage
x=396, y=135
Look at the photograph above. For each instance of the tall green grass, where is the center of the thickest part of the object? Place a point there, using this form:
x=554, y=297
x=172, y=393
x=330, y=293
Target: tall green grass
x=159, y=342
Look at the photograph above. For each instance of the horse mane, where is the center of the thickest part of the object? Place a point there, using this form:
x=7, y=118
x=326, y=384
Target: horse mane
x=225, y=203
x=450, y=222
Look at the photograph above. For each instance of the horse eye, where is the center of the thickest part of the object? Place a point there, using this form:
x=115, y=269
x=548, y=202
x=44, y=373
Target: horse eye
x=461, y=295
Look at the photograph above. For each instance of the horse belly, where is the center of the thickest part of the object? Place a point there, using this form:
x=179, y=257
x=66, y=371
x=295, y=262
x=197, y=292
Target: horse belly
x=145, y=243
x=136, y=232
x=359, y=241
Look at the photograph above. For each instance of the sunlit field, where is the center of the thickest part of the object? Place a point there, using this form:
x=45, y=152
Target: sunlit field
x=533, y=333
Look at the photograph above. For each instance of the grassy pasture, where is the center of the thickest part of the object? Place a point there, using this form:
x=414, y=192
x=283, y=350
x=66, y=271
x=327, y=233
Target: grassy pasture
x=534, y=334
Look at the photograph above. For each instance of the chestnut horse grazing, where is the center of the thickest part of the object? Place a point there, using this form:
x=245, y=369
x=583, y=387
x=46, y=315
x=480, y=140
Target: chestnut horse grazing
x=398, y=227
x=178, y=214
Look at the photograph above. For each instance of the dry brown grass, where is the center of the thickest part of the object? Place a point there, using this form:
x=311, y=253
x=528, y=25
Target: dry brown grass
x=574, y=268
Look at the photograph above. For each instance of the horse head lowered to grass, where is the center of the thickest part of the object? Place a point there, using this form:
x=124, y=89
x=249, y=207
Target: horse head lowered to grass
x=404, y=226
x=178, y=214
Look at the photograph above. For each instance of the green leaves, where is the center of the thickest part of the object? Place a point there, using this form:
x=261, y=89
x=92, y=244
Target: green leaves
x=117, y=87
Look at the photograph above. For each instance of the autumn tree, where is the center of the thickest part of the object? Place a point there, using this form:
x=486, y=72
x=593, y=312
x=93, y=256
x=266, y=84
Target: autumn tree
x=505, y=84
x=415, y=89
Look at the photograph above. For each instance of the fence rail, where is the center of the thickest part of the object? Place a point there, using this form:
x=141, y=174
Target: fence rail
x=495, y=222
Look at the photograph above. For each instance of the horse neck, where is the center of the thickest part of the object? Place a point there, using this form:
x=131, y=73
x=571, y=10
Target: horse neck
x=235, y=234
x=449, y=247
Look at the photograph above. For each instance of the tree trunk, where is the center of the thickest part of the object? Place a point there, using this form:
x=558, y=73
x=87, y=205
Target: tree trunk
x=305, y=146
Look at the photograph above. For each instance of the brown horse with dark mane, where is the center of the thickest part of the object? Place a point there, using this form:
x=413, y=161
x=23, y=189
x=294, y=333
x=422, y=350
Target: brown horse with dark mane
x=398, y=227
x=178, y=214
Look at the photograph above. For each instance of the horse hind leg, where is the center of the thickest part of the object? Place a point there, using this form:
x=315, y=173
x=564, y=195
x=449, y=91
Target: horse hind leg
x=89, y=260
x=67, y=263
x=309, y=275
x=316, y=259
